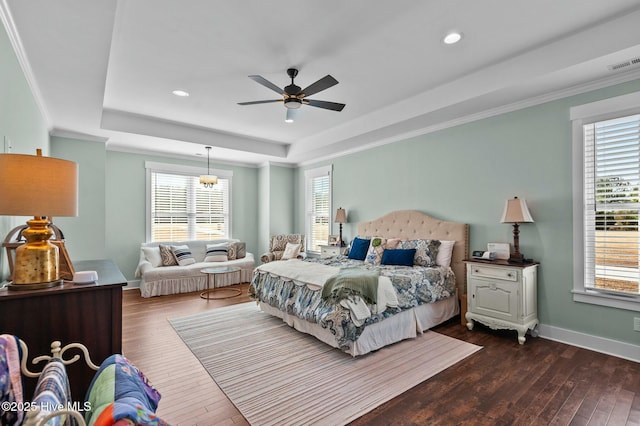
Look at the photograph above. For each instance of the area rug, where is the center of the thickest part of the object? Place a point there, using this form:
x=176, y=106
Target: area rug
x=276, y=375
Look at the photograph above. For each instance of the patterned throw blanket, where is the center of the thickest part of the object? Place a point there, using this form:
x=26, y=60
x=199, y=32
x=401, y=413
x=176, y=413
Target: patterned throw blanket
x=352, y=281
x=10, y=380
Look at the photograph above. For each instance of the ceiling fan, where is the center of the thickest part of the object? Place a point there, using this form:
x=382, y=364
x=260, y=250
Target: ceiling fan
x=294, y=97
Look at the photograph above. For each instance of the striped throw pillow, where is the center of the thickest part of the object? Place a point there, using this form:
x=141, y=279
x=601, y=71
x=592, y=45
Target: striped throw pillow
x=183, y=255
x=217, y=252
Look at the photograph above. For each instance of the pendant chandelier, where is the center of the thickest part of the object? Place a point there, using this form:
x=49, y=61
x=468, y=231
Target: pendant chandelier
x=208, y=180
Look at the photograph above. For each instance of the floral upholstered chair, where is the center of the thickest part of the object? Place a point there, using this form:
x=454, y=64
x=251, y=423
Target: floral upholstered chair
x=283, y=247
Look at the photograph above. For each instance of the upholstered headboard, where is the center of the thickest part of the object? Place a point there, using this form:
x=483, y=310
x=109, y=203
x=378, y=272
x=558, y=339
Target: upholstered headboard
x=411, y=224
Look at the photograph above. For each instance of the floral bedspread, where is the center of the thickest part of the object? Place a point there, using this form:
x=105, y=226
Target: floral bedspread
x=414, y=286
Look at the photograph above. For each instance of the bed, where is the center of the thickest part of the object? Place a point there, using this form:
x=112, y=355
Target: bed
x=291, y=289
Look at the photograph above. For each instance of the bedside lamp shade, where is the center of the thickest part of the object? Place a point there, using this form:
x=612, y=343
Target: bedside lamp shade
x=341, y=217
x=516, y=211
x=42, y=187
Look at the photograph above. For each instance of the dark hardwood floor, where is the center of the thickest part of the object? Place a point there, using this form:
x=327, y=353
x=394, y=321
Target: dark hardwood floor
x=539, y=383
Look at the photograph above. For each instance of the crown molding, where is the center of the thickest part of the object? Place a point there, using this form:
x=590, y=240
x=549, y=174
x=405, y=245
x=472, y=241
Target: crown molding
x=150, y=152
x=72, y=134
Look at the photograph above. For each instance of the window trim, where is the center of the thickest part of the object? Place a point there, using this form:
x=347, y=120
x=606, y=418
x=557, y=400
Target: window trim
x=310, y=174
x=154, y=167
x=583, y=114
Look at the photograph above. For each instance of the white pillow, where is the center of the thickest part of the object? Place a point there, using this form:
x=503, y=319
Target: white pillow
x=183, y=255
x=444, y=253
x=217, y=252
x=153, y=256
x=291, y=251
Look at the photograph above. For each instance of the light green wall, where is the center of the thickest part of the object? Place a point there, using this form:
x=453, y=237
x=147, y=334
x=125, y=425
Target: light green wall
x=85, y=234
x=21, y=123
x=277, y=205
x=126, y=206
x=264, y=213
x=281, y=201
x=466, y=173
x=21, y=120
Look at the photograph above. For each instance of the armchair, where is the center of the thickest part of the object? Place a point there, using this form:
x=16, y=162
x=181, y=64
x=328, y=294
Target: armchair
x=278, y=243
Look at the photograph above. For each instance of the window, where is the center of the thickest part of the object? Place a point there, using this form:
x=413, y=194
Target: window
x=180, y=209
x=318, y=207
x=606, y=209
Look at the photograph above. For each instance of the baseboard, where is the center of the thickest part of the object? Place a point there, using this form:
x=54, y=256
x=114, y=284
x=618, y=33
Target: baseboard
x=594, y=343
x=132, y=284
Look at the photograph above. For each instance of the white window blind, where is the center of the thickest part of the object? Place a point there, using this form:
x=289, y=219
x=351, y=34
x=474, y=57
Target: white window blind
x=318, y=202
x=612, y=205
x=182, y=209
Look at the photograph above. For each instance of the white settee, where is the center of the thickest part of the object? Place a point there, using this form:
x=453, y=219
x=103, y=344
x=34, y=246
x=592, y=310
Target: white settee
x=158, y=280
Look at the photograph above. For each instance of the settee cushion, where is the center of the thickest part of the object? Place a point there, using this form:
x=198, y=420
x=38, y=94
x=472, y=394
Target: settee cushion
x=217, y=252
x=183, y=255
x=237, y=250
x=153, y=255
x=168, y=259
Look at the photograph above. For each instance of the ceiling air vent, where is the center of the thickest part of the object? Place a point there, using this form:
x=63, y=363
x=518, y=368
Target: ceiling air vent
x=625, y=64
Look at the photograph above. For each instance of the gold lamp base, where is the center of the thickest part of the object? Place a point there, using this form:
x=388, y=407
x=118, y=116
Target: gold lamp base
x=37, y=260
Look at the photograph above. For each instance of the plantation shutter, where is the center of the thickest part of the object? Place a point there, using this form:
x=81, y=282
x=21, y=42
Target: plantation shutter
x=212, y=211
x=612, y=181
x=318, y=195
x=169, y=207
x=182, y=209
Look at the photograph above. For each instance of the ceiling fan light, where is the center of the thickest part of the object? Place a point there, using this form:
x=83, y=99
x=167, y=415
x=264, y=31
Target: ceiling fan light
x=292, y=103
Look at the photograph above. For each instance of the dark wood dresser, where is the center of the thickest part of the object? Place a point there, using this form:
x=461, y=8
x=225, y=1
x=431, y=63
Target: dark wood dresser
x=90, y=314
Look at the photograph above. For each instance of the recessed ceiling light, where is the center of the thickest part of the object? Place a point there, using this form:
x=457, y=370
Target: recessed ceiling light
x=288, y=120
x=452, y=38
x=180, y=93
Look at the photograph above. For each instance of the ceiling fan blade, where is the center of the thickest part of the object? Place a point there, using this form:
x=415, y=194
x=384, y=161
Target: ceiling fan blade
x=334, y=106
x=266, y=83
x=260, y=102
x=320, y=85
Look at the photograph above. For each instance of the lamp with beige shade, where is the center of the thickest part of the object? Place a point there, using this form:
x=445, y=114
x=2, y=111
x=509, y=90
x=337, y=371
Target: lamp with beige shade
x=516, y=212
x=341, y=217
x=42, y=187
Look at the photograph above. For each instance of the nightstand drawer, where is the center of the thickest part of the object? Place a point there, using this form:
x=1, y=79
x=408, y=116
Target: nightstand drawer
x=507, y=274
x=328, y=251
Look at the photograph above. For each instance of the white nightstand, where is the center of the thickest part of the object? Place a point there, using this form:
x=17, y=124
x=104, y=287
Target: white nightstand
x=503, y=295
x=328, y=251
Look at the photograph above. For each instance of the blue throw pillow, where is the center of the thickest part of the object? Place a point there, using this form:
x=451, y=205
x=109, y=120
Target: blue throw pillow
x=402, y=257
x=359, y=248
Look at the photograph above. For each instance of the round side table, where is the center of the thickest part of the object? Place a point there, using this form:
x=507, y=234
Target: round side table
x=213, y=272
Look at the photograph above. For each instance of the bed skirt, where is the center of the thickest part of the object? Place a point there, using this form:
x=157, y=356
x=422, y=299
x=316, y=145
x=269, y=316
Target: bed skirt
x=405, y=325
